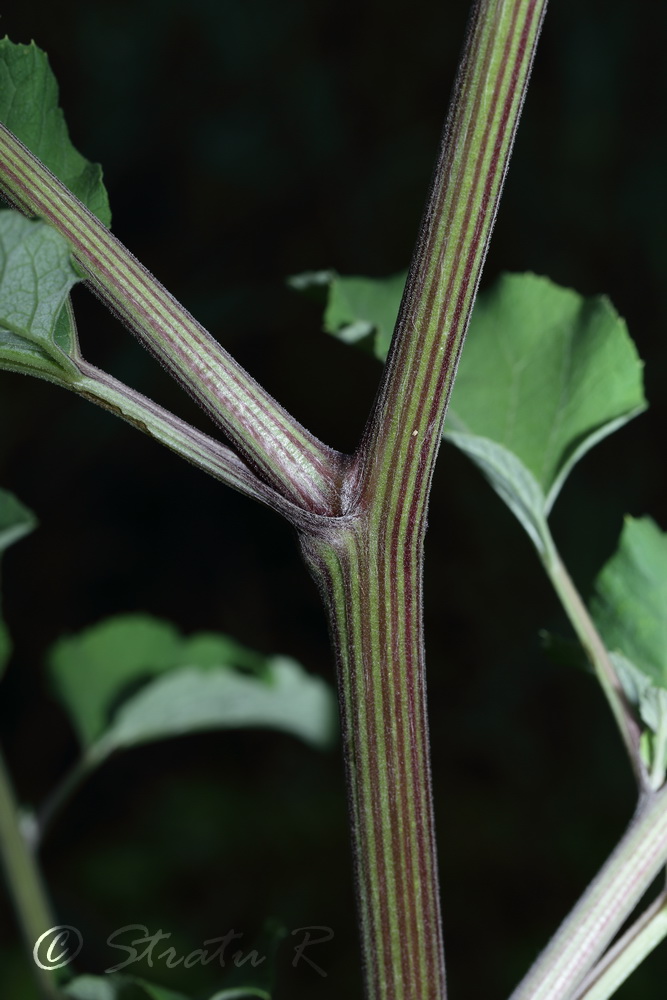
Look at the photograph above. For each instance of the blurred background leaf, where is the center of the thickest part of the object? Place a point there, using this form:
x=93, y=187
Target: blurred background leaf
x=135, y=679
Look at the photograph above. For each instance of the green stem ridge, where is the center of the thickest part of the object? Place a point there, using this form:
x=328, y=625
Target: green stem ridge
x=611, y=897
x=274, y=444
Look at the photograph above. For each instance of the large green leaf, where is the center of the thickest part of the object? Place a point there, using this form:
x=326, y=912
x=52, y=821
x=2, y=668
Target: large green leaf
x=16, y=521
x=629, y=602
x=134, y=679
x=545, y=374
x=29, y=108
x=36, y=275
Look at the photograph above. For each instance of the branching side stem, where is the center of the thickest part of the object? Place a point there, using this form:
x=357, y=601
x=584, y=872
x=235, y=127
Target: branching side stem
x=273, y=443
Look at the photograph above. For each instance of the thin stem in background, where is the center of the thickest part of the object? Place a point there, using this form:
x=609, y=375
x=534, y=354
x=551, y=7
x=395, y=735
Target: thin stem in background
x=59, y=797
x=24, y=881
x=590, y=639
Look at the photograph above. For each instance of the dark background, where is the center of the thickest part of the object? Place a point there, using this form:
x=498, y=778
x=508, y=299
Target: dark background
x=244, y=141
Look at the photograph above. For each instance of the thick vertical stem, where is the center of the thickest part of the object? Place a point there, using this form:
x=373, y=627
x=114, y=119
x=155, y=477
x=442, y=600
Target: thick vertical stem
x=374, y=600
x=369, y=563
x=403, y=434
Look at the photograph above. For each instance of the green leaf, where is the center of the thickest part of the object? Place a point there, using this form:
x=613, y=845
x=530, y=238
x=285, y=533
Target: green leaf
x=193, y=699
x=133, y=679
x=357, y=309
x=545, y=374
x=37, y=333
x=650, y=699
x=91, y=670
x=110, y=987
x=629, y=603
x=242, y=994
x=94, y=988
x=512, y=481
x=211, y=649
x=651, y=702
x=158, y=992
x=29, y=108
x=16, y=521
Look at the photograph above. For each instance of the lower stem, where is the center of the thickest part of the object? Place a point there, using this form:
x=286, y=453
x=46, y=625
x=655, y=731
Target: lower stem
x=373, y=597
x=24, y=880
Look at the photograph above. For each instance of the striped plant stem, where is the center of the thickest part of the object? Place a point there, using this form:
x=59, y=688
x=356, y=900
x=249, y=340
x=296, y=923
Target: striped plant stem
x=368, y=564
x=609, y=900
x=406, y=425
x=276, y=447
x=374, y=598
x=361, y=521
